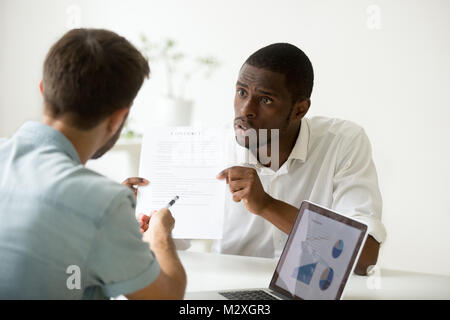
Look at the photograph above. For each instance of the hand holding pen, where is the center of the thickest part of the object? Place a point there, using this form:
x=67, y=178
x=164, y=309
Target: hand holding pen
x=144, y=220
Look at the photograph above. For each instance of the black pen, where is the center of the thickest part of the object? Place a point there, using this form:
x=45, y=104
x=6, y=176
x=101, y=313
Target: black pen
x=172, y=202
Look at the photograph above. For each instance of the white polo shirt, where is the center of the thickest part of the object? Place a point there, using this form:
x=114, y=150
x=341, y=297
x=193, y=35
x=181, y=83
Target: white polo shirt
x=331, y=165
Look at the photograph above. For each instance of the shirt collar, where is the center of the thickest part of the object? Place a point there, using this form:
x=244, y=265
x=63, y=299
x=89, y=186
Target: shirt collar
x=300, y=150
x=42, y=134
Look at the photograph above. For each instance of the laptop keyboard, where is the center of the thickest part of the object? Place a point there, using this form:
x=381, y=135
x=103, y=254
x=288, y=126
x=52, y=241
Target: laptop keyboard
x=248, y=295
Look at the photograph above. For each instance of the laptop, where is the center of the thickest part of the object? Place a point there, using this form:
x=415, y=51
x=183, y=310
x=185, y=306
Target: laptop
x=319, y=256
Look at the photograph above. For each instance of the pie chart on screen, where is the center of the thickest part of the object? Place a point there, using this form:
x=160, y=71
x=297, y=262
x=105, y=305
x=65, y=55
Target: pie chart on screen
x=326, y=278
x=337, y=249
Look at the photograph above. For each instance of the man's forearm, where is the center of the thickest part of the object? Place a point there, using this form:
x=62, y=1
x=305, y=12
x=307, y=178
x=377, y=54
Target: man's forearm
x=170, y=265
x=368, y=256
x=280, y=214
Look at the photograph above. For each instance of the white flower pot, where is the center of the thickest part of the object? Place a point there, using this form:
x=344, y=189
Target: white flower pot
x=173, y=112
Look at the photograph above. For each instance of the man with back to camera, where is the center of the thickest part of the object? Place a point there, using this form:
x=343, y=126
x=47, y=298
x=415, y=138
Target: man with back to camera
x=327, y=161
x=66, y=231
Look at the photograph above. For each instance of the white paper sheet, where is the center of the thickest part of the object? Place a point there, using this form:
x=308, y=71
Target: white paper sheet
x=184, y=162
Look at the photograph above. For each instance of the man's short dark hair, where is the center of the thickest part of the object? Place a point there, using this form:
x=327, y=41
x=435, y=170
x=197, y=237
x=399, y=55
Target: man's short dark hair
x=90, y=73
x=289, y=60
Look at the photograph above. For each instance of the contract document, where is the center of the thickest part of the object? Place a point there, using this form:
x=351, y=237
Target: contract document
x=184, y=162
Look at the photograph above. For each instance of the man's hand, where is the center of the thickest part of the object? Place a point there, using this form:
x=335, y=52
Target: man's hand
x=245, y=185
x=135, y=181
x=171, y=281
x=157, y=228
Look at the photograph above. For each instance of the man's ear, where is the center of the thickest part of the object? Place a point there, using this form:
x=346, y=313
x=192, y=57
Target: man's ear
x=301, y=108
x=117, y=118
x=41, y=87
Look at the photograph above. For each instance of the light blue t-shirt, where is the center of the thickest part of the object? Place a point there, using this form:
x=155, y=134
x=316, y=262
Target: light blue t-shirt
x=63, y=225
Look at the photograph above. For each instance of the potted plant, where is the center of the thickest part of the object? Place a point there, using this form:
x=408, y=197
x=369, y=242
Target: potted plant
x=174, y=109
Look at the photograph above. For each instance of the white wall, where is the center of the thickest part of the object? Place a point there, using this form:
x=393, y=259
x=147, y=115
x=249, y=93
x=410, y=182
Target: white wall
x=391, y=75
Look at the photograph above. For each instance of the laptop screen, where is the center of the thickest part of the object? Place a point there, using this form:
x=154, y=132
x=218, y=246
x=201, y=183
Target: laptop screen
x=319, y=254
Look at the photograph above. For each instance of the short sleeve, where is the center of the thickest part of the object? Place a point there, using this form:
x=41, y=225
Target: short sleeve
x=120, y=261
x=355, y=184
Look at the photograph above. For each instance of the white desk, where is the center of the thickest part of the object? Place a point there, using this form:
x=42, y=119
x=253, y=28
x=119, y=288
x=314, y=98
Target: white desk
x=208, y=271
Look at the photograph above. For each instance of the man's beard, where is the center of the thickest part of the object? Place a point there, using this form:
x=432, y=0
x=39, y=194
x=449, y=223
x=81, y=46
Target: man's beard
x=111, y=142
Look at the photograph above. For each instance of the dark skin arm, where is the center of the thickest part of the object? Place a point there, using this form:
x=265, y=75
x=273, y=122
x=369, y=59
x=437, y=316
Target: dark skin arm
x=135, y=182
x=245, y=186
